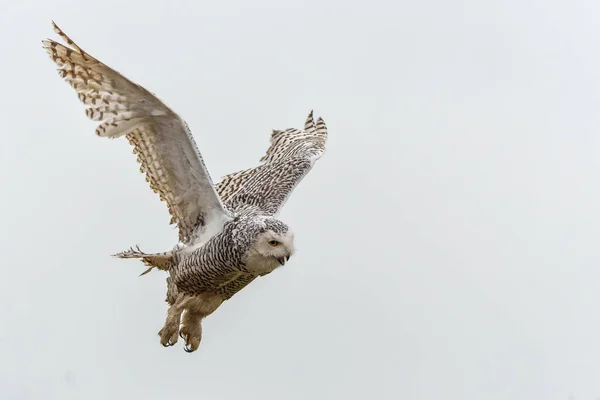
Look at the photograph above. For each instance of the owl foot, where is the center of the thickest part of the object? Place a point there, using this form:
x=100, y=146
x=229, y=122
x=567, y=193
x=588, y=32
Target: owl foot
x=191, y=330
x=186, y=331
x=192, y=344
x=168, y=335
x=189, y=349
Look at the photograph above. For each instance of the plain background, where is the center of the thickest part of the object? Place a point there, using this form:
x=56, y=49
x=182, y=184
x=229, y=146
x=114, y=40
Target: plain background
x=447, y=241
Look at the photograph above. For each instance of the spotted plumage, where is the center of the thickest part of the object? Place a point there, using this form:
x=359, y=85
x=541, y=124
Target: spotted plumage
x=229, y=233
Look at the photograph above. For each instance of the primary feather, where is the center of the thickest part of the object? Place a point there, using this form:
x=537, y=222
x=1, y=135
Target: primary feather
x=289, y=158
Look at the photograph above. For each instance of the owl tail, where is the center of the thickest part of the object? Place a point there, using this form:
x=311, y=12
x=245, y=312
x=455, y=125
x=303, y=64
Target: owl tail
x=162, y=261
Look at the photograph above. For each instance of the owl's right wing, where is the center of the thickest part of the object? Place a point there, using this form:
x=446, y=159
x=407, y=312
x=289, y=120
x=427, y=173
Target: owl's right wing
x=289, y=158
x=161, y=139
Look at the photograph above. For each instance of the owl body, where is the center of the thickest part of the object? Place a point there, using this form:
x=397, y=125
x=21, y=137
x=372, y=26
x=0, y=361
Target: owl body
x=229, y=233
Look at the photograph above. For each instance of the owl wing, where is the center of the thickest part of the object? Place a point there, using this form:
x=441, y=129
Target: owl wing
x=161, y=139
x=290, y=157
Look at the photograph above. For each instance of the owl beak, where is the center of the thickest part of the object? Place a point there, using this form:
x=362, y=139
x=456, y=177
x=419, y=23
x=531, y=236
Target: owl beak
x=282, y=260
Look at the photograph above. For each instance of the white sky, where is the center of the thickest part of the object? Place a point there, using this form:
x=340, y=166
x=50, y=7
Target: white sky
x=447, y=240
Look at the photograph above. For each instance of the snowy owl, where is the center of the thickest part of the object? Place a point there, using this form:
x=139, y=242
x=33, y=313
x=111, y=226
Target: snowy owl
x=229, y=233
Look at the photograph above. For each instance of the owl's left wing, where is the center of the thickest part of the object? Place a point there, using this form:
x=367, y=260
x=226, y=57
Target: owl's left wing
x=289, y=158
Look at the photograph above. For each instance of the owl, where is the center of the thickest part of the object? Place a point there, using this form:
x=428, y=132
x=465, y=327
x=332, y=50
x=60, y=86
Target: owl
x=229, y=233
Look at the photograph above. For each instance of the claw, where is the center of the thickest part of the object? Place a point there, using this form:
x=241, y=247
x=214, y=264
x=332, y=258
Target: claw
x=188, y=348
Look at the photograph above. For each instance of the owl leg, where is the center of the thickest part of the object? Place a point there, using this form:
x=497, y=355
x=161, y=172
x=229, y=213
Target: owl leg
x=191, y=329
x=168, y=334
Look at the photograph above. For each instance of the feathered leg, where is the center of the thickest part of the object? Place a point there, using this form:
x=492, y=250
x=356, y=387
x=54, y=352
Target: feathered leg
x=168, y=334
x=197, y=307
x=191, y=329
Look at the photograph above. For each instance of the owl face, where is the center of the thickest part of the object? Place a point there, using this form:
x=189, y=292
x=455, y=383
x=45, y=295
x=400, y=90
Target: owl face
x=270, y=250
x=279, y=246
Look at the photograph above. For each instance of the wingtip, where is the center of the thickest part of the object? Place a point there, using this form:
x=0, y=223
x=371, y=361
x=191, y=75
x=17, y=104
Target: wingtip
x=309, y=124
x=321, y=126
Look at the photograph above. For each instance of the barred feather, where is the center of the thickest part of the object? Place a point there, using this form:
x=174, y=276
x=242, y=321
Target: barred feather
x=290, y=156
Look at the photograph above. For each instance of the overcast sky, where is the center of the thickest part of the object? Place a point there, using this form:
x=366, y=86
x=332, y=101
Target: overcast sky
x=447, y=240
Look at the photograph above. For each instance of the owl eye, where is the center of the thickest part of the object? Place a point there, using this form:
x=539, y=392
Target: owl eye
x=273, y=243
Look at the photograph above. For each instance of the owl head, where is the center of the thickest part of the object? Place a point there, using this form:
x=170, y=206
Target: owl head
x=272, y=247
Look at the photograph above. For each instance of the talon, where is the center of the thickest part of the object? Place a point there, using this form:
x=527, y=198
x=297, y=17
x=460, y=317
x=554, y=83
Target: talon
x=188, y=349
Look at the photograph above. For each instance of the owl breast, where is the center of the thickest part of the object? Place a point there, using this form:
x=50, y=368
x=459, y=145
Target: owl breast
x=259, y=265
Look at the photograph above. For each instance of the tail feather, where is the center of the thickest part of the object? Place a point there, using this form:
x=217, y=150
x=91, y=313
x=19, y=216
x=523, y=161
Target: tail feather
x=162, y=261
